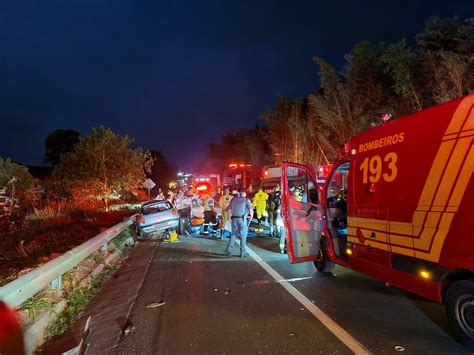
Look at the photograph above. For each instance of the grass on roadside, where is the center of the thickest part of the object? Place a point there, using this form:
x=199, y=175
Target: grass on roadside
x=36, y=305
x=77, y=298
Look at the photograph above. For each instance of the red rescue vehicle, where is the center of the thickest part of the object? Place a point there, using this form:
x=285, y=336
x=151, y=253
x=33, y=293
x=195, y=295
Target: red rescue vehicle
x=242, y=176
x=398, y=206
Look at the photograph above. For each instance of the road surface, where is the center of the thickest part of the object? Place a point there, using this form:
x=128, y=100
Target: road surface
x=190, y=299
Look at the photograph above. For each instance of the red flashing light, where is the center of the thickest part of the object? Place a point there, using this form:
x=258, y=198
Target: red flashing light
x=242, y=165
x=203, y=186
x=233, y=165
x=347, y=148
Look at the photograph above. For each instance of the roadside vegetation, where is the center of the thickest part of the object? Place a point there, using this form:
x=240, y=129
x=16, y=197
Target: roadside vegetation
x=47, y=232
x=92, y=188
x=376, y=79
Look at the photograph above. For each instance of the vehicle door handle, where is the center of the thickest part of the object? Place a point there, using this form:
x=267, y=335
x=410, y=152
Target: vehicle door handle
x=312, y=208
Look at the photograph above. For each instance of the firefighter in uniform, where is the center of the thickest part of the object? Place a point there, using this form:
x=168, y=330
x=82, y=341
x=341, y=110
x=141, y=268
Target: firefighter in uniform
x=274, y=204
x=260, y=203
x=239, y=208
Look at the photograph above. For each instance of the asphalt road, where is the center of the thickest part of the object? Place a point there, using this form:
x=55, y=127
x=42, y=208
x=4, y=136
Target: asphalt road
x=193, y=300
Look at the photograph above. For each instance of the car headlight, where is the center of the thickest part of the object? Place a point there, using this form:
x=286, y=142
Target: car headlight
x=280, y=223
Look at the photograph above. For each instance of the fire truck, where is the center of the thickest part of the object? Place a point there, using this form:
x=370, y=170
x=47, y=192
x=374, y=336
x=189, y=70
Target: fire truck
x=242, y=176
x=398, y=205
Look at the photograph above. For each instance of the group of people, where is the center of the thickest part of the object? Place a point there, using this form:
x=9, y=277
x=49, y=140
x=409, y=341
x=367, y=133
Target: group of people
x=267, y=207
x=235, y=211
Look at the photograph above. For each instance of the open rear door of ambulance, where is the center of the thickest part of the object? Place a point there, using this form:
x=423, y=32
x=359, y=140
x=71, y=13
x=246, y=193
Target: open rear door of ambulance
x=301, y=211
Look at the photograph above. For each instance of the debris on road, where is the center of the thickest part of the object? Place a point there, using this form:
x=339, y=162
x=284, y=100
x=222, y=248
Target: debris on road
x=128, y=327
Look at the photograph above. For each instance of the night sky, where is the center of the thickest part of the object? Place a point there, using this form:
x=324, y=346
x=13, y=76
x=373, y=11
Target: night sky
x=175, y=75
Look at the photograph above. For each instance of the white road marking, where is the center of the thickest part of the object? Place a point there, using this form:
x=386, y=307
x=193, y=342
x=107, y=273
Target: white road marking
x=333, y=327
x=294, y=279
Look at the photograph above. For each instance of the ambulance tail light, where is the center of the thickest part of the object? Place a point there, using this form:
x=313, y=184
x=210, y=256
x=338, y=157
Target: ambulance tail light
x=425, y=274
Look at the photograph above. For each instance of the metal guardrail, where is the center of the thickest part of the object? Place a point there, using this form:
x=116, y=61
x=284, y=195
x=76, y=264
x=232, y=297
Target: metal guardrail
x=28, y=285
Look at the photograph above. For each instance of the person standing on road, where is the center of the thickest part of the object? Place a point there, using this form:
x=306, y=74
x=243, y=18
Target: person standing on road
x=239, y=208
x=260, y=202
x=224, y=202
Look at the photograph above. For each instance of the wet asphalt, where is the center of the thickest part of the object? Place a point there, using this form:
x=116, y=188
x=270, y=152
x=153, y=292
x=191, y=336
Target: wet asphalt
x=193, y=300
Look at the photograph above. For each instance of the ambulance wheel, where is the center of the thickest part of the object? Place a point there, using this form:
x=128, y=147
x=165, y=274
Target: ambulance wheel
x=460, y=310
x=323, y=264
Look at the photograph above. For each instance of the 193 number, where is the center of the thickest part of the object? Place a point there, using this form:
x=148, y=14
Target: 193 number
x=373, y=168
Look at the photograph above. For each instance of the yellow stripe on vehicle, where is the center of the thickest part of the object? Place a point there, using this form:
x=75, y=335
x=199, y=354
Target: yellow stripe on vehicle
x=448, y=179
x=451, y=172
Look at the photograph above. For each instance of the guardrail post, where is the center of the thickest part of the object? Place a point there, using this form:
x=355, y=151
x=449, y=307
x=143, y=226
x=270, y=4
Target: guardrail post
x=56, y=283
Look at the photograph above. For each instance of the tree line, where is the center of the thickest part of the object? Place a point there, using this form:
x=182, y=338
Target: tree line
x=376, y=79
x=89, y=169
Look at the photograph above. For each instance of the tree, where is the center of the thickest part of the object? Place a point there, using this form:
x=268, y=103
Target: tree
x=247, y=146
x=59, y=143
x=279, y=136
x=375, y=79
x=104, y=163
x=162, y=172
x=15, y=179
x=403, y=64
x=446, y=47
